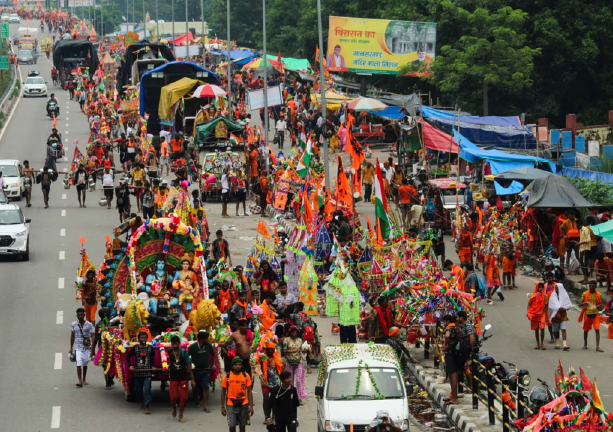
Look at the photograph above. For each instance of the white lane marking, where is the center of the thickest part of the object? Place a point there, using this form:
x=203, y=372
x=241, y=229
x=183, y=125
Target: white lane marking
x=56, y=413
x=62, y=255
x=57, y=365
x=66, y=124
x=63, y=212
x=63, y=196
x=66, y=131
x=65, y=159
x=59, y=317
x=60, y=283
x=62, y=232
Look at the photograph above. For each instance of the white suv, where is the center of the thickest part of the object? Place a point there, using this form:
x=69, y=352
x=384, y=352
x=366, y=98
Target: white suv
x=13, y=182
x=14, y=232
x=14, y=19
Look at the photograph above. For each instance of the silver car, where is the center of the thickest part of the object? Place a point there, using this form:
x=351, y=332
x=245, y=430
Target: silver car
x=14, y=232
x=25, y=57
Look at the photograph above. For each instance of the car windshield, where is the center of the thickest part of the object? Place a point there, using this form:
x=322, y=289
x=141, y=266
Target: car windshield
x=35, y=80
x=10, y=217
x=24, y=52
x=342, y=384
x=9, y=171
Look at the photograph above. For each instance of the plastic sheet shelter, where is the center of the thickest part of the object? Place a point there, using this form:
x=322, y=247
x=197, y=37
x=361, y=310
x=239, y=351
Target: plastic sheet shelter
x=238, y=57
x=334, y=101
x=77, y=50
x=508, y=137
x=435, y=139
x=204, y=131
x=524, y=175
x=604, y=229
x=172, y=93
x=555, y=191
x=292, y=63
x=590, y=175
x=151, y=84
x=180, y=40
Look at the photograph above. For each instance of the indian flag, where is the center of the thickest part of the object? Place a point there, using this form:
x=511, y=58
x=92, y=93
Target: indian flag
x=381, y=203
x=305, y=161
x=233, y=140
x=303, y=139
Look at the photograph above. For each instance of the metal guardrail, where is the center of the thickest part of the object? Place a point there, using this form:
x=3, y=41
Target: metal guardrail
x=9, y=90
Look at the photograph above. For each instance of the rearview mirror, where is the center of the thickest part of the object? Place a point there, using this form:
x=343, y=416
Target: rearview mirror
x=319, y=391
x=488, y=327
x=28, y=220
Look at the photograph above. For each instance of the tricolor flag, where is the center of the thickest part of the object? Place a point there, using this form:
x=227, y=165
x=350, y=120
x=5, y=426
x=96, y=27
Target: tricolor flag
x=303, y=139
x=233, y=139
x=302, y=169
x=381, y=203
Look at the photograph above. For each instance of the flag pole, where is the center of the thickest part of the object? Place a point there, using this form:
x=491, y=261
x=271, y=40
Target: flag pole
x=323, y=95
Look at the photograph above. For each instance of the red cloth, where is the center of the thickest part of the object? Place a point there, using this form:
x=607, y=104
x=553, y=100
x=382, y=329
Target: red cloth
x=385, y=319
x=437, y=140
x=179, y=392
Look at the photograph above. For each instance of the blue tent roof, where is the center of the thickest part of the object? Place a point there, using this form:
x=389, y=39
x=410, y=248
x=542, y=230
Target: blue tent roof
x=212, y=79
x=391, y=112
x=239, y=57
x=500, y=161
x=511, y=137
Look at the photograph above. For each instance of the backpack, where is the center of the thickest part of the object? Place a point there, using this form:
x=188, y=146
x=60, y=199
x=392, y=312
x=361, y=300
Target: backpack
x=308, y=327
x=482, y=289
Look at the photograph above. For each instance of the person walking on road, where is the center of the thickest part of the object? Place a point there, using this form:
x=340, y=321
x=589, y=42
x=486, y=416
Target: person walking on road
x=537, y=304
x=82, y=335
x=236, y=396
x=45, y=178
x=559, y=304
x=284, y=401
x=180, y=374
x=28, y=180
x=280, y=127
x=591, y=302
x=452, y=357
x=81, y=179
x=202, y=355
x=143, y=366
x=292, y=358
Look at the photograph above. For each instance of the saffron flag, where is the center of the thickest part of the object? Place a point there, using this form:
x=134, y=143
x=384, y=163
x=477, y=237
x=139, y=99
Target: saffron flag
x=381, y=203
x=343, y=191
x=596, y=401
x=586, y=384
x=263, y=229
x=302, y=169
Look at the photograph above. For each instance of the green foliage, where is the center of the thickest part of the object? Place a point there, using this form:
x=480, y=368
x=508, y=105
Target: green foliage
x=597, y=191
x=603, y=164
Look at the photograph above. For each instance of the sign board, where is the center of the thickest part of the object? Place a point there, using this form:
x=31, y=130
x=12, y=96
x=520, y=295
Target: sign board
x=5, y=30
x=181, y=51
x=376, y=46
x=256, y=97
x=4, y=63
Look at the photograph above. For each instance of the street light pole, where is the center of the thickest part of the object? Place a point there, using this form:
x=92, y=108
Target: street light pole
x=229, y=47
x=157, y=20
x=323, y=95
x=265, y=89
x=202, y=34
x=186, y=32
x=174, y=50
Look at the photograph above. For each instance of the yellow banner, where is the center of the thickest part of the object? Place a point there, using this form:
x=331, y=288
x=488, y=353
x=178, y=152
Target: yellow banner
x=379, y=46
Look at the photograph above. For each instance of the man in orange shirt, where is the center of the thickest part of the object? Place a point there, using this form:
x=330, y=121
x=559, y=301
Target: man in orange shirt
x=177, y=147
x=268, y=316
x=253, y=164
x=406, y=194
x=164, y=156
x=263, y=192
x=236, y=396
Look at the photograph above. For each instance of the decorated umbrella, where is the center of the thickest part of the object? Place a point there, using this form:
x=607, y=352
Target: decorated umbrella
x=209, y=90
x=366, y=104
x=258, y=62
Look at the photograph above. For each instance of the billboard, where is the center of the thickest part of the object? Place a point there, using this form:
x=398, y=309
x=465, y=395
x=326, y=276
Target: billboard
x=377, y=46
x=255, y=98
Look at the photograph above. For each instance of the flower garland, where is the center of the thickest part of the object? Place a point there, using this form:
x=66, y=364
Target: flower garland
x=164, y=357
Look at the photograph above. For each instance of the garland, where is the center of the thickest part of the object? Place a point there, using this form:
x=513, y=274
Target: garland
x=164, y=357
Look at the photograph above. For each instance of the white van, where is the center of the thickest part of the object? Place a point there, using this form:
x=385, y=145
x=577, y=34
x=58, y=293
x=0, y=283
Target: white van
x=342, y=403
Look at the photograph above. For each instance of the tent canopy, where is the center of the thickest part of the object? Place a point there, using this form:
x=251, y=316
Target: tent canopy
x=511, y=137
x=292, y=63
x=180, y=40
x=391, y=112
x=239, y=57
x=172, y=93
x=204, y=130
x=334, y=101
x=470, y=152
x=435, y=139
x=557, y=192
x=524, y=175
x=604, y=229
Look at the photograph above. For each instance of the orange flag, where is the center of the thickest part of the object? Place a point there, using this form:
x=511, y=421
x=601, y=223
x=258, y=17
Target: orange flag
x=263, y=229
x=273, y=158
x=328, y=207
x=370, y=230
x=343, y=191
x=308, y=210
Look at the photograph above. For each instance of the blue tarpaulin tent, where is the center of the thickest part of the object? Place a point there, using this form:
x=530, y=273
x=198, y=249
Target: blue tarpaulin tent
x=238, y=57
x=391, y=112
x=499, y=161
x=502, y=136
x=590, y=175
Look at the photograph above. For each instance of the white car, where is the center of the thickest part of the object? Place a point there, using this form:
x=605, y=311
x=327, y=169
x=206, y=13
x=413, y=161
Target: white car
x=14, y=232
x=14, y=19
x=34, y=86
x=4, y=17
x=13, y=182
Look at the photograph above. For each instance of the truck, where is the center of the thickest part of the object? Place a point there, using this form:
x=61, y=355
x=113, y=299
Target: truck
x=70, y=54
x=27, y=38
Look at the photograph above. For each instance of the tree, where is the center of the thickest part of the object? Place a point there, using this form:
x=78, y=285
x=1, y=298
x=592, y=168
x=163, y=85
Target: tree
x=489, y=56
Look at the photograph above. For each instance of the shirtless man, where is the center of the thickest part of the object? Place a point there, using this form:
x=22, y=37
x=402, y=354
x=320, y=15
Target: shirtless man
x=243, y=346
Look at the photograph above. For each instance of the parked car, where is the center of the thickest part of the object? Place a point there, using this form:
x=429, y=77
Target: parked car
x=25, y=57
x=13, y=182
x=14, y=232
x=14, y=19
x=4, y=17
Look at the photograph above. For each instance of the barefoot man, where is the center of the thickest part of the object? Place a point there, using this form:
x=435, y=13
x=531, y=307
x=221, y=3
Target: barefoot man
x=243, y=344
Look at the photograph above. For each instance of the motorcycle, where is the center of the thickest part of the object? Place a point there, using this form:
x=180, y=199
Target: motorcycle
x=53, y=109
x=57, y=151
x=541, y=395
x=487, y=362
